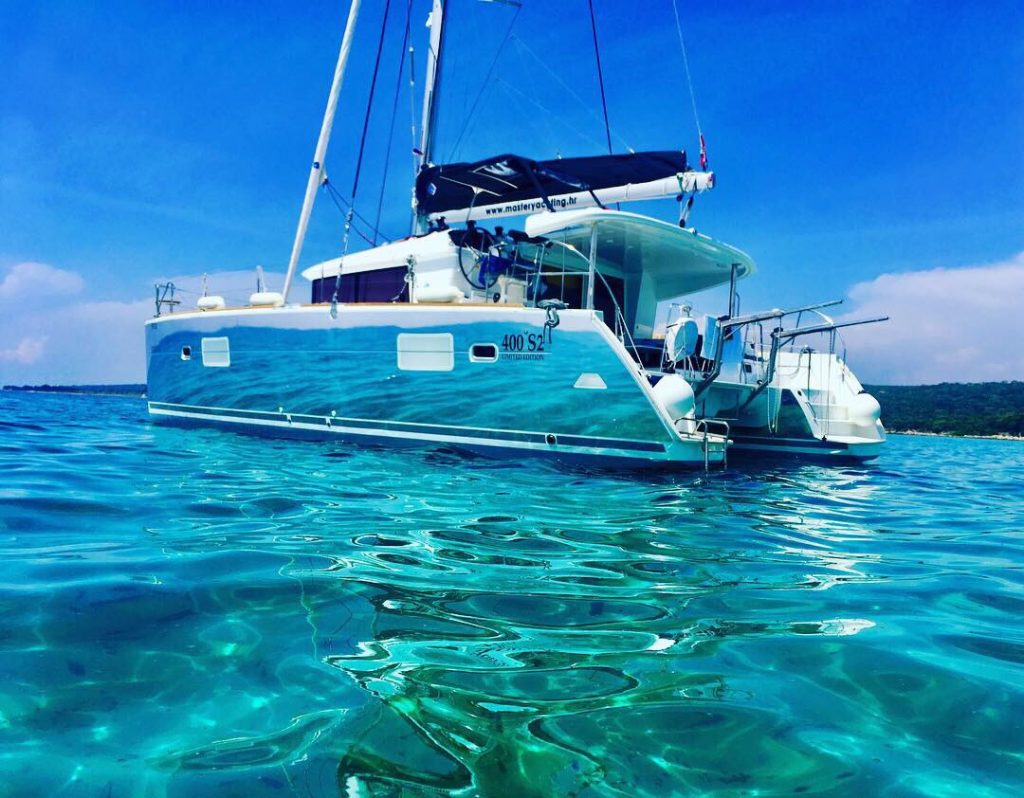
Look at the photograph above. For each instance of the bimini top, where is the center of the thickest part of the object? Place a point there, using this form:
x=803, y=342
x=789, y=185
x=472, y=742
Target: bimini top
x=678, y=261
x=509, y=185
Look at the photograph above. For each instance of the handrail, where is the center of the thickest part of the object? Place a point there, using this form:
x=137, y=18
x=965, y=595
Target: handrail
x=820, y=328
x=704, y=425
x=721, y=422
x=776, y=313
x=769, y=375
x=780, y=335
x=165, y=296
x=787, y=335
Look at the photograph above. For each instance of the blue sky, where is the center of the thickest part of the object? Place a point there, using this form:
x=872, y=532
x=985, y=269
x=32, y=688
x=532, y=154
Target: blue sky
x=853, y=143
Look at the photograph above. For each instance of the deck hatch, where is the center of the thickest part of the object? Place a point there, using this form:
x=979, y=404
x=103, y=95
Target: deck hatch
x=216, y=352
x=426, y=351
x=590, y=381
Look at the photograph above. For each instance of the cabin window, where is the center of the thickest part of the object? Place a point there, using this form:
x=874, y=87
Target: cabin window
x=216, y=352
x=426, y=351
x=605, y=300
x=571, y=288
x=379, y=285
x=186, y=353
x=483, y=353
x=566, y=287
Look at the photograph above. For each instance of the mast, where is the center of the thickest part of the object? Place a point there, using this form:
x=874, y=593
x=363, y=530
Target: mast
x=430, y=98
x=321, y=146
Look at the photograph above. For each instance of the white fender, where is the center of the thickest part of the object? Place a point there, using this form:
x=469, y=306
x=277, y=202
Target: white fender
x=675, y=395
x=211, y=303
x=864, y=410
x=440, y=293
x=266, y=299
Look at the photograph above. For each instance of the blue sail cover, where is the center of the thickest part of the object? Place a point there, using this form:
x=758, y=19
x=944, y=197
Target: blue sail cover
x=511, y=179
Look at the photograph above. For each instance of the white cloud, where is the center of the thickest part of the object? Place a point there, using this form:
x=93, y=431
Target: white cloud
x=76, y=343
x=62, y=339
x=27, y=351
x=38, y=279
x=111, y=344
x=956, y=325
x=946, y=325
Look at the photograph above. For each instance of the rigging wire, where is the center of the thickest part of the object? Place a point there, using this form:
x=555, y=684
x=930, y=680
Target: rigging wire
x=369, y=101
x=520, y=111
x=600, y=76
x=546, y=113
x=585, y=105
x=394, y=117
x=339, y=201
x=332, y=192
x=483, y=85
x=689, y=83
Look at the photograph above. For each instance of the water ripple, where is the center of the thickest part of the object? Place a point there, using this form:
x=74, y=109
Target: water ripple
x=199, y=612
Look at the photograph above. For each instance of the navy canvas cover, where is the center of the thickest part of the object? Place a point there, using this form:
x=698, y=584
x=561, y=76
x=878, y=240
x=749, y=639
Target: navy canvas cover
x=509, y=178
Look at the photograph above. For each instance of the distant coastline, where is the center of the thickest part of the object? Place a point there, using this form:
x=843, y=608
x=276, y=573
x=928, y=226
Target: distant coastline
x=986, y=410
x=997, y=437
x=126, y=389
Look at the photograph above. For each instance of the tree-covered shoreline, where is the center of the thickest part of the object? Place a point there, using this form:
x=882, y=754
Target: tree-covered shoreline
x=953, y=408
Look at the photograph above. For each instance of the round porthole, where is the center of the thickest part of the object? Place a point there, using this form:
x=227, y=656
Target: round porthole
x=186, y=353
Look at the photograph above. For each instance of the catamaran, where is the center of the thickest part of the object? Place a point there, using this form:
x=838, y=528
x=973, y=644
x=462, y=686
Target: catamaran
x=540, y=340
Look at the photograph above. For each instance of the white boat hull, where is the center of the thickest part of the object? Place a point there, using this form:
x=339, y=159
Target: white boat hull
x=814, y=406
x=492, y=379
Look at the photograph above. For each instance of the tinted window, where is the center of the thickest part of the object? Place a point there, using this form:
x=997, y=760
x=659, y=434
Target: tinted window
x=604, y=301
x=483, y=352
x=380, y=285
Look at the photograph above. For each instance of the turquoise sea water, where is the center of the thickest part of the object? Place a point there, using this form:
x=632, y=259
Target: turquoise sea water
x=196, y=612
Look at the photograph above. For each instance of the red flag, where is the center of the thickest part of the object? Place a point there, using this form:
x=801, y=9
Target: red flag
x=703, y=154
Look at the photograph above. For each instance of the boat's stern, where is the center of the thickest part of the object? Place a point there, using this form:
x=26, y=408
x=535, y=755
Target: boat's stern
x=817, y=407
